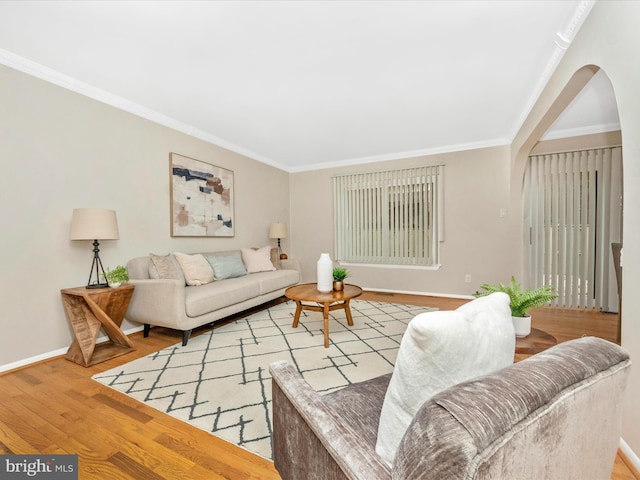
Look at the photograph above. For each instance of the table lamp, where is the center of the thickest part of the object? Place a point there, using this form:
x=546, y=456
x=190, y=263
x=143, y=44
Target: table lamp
x=278, y=230
x=94, y=224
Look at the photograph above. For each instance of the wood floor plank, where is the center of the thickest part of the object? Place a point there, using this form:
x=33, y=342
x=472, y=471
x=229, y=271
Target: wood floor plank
x=117, y=437
x=135, y=413
x=48, y=434
x=101, y=470
x=12, y=440
x=28, y=432
x=205, y=460
x=129, y=466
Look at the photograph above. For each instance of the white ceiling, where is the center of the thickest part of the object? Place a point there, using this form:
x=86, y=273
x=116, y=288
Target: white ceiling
x=306, y=84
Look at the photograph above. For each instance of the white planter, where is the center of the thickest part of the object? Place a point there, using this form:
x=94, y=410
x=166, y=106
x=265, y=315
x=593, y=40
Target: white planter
x=325, y=273
x=522, y=325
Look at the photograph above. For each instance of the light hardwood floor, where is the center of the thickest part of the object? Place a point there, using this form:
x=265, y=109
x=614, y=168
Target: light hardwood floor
x=55, y=407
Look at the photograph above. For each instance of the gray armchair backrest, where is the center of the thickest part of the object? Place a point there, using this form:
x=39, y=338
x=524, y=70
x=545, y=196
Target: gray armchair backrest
x=555, y=415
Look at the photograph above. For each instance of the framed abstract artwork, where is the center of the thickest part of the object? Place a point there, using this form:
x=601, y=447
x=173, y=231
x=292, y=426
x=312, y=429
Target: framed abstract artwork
x=201, y=199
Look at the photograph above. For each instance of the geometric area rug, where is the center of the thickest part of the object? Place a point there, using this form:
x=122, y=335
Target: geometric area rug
x=220, y=381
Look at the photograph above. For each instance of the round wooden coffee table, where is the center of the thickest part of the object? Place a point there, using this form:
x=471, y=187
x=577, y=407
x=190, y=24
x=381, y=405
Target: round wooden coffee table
x=325, y=302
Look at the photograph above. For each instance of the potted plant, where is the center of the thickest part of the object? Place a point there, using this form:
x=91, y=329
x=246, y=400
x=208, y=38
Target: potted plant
x=117, y=276
x=521, y=301
x=339, y=274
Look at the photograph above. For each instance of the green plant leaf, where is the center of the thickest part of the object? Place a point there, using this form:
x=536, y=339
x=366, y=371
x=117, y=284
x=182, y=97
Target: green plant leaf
x=520, y=301
x=118, y=274
x=339, y=274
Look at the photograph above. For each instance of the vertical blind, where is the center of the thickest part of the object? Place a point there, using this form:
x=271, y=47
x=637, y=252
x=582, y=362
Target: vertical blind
x=574, y=213
x=388, y=217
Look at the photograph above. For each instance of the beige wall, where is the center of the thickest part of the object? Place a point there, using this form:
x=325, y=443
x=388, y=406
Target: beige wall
x=610, y=40
x=59, y=151
x=477, y=240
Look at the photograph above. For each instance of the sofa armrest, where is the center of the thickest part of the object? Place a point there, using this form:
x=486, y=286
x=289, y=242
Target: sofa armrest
x=291, y=264
x=309, y=440
x=157, y=302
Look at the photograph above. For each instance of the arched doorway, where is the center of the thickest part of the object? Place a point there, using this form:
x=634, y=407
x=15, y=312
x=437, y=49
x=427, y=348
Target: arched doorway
x=561, y=246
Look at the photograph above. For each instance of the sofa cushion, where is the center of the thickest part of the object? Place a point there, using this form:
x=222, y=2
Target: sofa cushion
x=217, y=295
x=195, y=268
x=227, y=265
x=257, y=260
x=164, y=267
x=441, y=349
x=275, y=280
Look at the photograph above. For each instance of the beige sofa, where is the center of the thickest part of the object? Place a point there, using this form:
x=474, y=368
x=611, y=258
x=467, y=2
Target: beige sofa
x=169, y=302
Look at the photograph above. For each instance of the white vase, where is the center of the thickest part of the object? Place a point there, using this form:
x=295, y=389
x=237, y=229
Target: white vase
x=522, y=325
x=325, y=273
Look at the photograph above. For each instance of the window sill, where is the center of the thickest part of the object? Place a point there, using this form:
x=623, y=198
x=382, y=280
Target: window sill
x=388, y=265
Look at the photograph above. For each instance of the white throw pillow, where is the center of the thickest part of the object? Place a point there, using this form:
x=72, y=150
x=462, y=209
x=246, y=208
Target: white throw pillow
x=196, y=269
x=441, y=349
x=257, y=260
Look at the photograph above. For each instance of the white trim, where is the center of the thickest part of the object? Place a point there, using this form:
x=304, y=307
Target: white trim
x=496, y=142
x=52, y=76
x=55, y=353
x=28, y=361
x=630, y=454
x=421, y=294
x=566, y=38
x=387, y=265
x=578, y=131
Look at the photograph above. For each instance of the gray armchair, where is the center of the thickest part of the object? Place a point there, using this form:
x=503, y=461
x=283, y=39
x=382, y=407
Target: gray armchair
x=554, y=415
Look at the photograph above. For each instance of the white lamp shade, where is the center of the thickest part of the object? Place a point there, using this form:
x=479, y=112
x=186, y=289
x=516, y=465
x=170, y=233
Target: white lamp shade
x=94, y=224
x=278, y=230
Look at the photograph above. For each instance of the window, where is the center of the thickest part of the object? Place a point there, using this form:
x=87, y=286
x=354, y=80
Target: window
x=390, y=217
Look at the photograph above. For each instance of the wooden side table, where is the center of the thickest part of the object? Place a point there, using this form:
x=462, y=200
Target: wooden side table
x=536, y=342
x=88, y=310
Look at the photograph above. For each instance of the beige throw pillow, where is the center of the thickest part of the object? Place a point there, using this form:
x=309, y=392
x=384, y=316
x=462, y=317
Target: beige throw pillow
x=257, y=260
x=196, y=269
x=439, y=350
x=164, y=267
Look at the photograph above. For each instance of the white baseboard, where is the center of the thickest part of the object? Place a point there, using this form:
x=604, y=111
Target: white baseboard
x=62, y=351
x=423, y=294
x=630, y=454
x=29, y=361
x=55, y=353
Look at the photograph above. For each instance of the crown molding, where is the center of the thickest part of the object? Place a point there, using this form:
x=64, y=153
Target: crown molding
x=52, y=76
x=579, y=131
x=562, y=42
x=498, y=142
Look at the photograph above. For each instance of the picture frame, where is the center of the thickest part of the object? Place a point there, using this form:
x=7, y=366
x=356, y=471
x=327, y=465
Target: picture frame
x=202, y=203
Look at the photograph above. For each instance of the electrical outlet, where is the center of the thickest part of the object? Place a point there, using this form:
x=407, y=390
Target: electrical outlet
x=467, y=278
